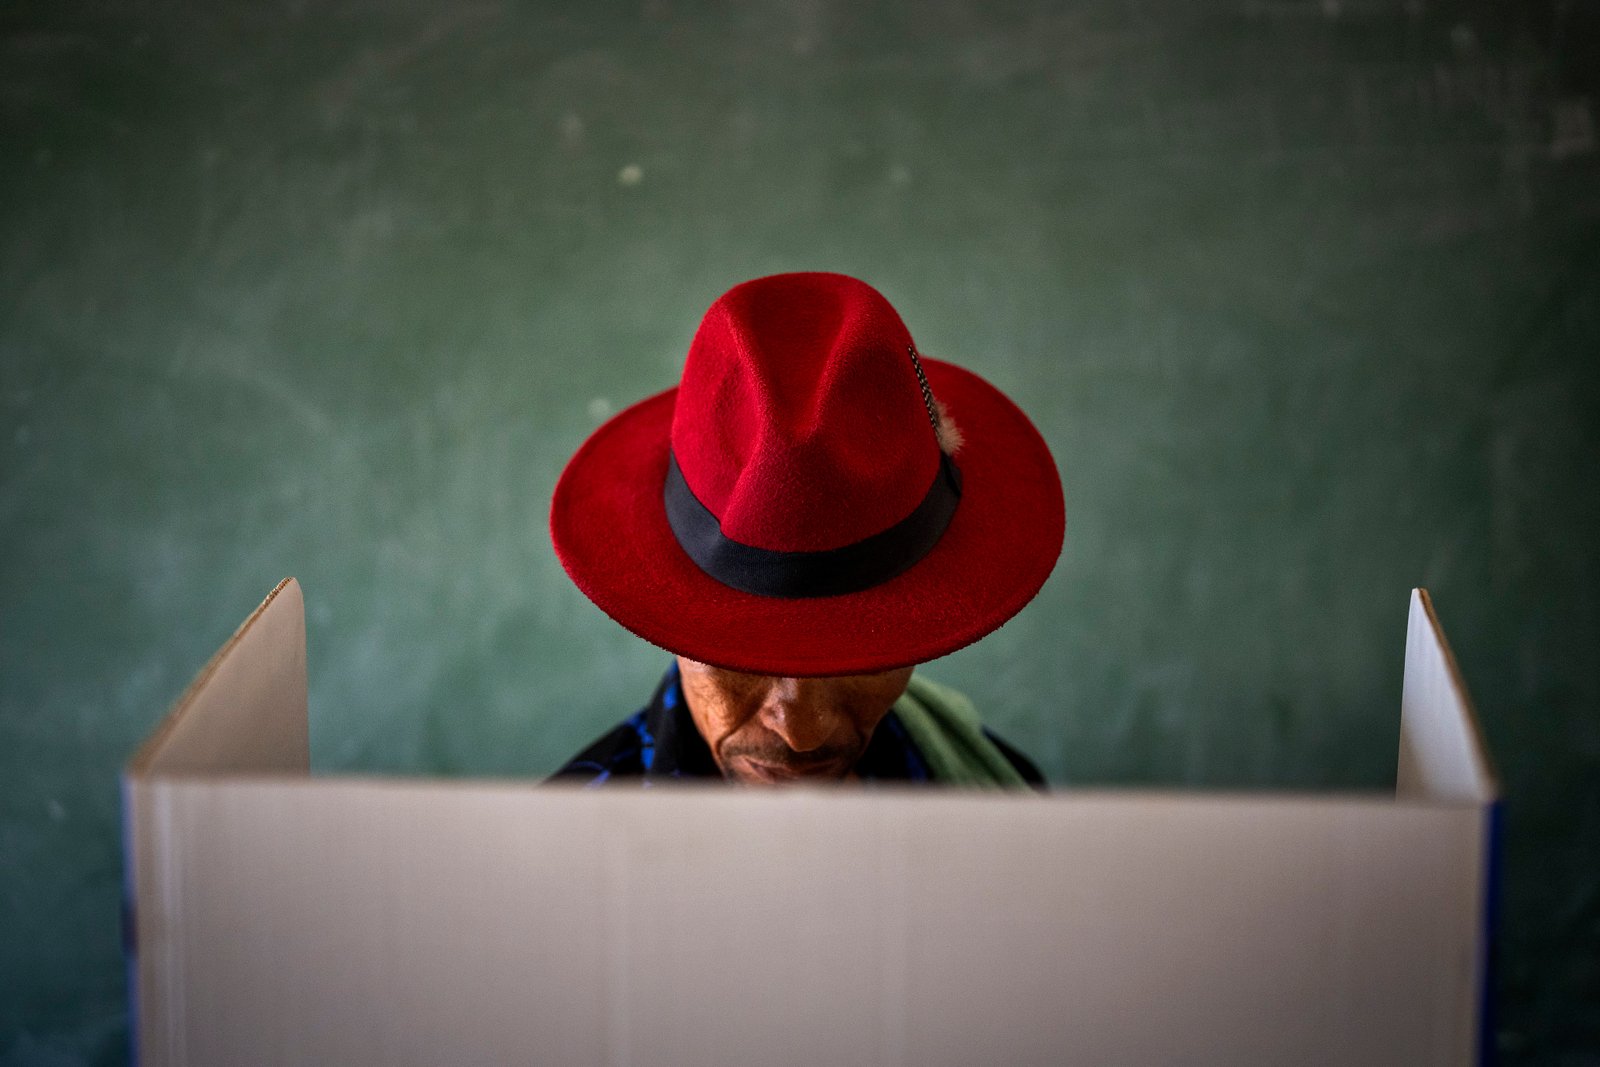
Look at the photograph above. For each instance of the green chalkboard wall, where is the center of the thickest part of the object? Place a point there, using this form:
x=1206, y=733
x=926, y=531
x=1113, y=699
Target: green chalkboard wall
x=1304, y=295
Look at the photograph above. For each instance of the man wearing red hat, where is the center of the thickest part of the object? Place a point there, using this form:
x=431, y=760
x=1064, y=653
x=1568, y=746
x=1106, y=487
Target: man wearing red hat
x=813, y=511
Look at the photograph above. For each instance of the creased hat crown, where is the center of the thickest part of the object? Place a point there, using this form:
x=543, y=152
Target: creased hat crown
x=799, y=422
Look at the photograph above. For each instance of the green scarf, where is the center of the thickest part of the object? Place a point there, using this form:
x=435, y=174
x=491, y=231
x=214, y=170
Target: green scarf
x=944, y=726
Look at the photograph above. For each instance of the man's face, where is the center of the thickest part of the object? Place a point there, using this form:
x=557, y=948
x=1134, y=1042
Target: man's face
x=770, y=730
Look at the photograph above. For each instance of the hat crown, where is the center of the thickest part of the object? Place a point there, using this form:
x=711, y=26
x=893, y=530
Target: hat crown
x=799, y=422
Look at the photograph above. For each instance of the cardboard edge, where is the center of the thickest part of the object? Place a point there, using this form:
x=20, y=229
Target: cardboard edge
x=1377, y=798
x=1475, y=735
x=139, y=764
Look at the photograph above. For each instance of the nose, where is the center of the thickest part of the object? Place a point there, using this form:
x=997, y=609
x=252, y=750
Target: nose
x=798, y=710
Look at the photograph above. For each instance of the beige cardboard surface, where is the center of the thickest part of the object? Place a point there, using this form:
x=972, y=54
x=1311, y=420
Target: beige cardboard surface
x=246, y=711
x=295, y=920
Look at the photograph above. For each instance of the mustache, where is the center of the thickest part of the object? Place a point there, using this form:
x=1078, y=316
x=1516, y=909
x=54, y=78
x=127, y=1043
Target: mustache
x=778, y=754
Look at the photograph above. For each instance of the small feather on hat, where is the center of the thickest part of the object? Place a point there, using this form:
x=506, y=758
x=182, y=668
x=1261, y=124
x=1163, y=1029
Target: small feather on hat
x=948, y=433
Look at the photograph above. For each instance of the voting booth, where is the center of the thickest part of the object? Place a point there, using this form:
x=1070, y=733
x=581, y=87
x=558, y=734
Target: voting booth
x=289, y=919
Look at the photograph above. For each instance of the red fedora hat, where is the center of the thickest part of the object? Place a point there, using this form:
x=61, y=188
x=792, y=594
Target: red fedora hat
x=814, y=497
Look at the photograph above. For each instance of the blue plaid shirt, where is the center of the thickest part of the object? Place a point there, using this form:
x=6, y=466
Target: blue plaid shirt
x=661, y=741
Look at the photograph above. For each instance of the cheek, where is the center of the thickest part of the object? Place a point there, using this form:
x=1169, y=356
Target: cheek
x=864, y=704
x=724, y=721
x=717, y=711
x=867, y=714
x=876, y=695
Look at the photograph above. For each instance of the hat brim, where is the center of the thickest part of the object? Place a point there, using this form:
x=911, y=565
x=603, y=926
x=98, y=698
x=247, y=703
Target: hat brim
x=610, y=531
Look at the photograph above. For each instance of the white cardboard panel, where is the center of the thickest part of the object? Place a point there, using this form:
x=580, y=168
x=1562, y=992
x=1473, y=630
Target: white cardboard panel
x=1442, y=754
x=339, y=922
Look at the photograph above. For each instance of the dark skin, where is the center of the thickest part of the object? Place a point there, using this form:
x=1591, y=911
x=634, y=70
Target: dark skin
x=770, y=731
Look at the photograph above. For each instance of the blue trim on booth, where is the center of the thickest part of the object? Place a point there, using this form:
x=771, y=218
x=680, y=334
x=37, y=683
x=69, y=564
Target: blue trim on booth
x=1494, y=827
x=130, y=927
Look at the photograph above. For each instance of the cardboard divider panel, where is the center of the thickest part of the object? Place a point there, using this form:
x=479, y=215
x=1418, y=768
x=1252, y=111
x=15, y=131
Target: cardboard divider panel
x=284, y=919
